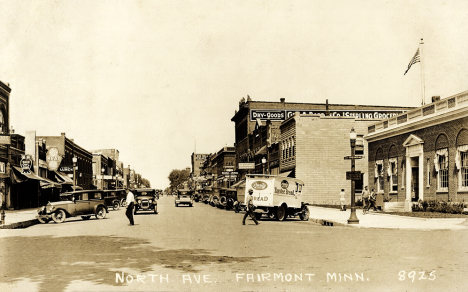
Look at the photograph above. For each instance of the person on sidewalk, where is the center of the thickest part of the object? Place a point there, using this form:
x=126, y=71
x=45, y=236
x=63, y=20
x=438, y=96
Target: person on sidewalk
x=250, y=208
x=130, y=204
x=343, y=200
x=365, y=199
x=372, y=199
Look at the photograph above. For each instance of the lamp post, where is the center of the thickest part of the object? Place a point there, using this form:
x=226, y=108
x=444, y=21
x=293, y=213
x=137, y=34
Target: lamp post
x=353, y=218
x=74, y=159
x=263, y=164
x=102, y=178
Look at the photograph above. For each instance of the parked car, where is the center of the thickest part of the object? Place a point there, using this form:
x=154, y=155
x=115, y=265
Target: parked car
x=184, y=196
x=145, y=200
x=114, y=198
x=227, y=198
x=84, y=203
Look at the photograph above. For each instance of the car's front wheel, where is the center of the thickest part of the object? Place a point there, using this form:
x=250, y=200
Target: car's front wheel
x=155, y=209
x=43, y=220
x=100, y=212
x=59, y=216
x=304, y=215
x=116, y=205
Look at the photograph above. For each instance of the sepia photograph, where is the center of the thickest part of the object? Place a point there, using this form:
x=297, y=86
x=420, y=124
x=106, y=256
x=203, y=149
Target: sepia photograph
x=196, y=145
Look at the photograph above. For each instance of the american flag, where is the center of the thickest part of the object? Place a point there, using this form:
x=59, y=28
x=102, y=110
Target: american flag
x=414, y=60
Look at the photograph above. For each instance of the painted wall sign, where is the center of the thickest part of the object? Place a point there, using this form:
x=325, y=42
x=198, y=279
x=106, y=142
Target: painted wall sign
x=66, y=169
x=5, y=139
x=53, y=158
x=281, y=115
x=26, y=164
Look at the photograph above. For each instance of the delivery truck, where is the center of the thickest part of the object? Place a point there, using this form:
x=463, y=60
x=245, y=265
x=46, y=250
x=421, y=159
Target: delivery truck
x=277, y=196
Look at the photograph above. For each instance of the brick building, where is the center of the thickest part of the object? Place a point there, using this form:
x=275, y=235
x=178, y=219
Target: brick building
x=422, y=154
x=250, y=112
x=312, y=148
x=67, y=149
x=197, y=161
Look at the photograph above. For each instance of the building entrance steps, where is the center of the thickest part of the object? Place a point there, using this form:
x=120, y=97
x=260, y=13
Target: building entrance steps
x=394, y=207
x=380, y=220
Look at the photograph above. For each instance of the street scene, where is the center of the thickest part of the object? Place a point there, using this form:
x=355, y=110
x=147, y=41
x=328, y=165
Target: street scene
x=233, y=146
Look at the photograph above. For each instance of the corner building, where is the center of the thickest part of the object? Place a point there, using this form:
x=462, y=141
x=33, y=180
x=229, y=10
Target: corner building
x=422, y=154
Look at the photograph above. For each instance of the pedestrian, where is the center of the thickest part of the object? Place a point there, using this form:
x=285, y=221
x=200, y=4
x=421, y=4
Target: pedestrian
x=343, y=200
x=2, y=197
x=250, y=208
x=130, y=203
x=372, y=199
x=365, y=199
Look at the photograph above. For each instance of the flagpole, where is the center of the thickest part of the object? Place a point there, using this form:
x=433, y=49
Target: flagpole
x=421, y=58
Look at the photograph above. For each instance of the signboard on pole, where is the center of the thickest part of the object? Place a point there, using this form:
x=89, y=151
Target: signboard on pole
x=26, y=164
x=353, y=175
x=53, y=158
x=246, y=165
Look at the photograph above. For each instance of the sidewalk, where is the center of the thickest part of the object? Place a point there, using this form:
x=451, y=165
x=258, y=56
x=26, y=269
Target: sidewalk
x=20, y=218
x=335, y=217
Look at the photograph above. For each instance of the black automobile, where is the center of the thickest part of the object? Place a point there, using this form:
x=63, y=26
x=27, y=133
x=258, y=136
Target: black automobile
x=145, y=200
x=227, y=198
x=114, y=198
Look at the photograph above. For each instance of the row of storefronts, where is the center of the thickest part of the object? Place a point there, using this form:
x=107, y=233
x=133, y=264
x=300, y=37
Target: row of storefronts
x=407, y=153
x=36, y=169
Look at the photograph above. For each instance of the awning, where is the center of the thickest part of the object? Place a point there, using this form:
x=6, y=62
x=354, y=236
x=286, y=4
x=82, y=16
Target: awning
x=76, y=188
x=44, y=182
x=285, y=174
x=262, y=151
x=238, y=184
x=63, y=178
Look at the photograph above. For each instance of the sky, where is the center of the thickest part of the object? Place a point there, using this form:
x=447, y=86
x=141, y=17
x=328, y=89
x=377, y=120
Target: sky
x=158, y=80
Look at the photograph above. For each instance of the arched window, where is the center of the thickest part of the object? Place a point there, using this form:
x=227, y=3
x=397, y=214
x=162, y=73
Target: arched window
x=378, y=170
x=441, y=162
x=2, y=122
x=461, y=159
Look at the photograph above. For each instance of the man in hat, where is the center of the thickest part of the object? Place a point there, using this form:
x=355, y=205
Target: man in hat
x=250, y=208
x=130, y=204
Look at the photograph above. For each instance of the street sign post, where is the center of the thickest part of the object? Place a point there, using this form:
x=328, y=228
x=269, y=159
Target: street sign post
x=355, y=157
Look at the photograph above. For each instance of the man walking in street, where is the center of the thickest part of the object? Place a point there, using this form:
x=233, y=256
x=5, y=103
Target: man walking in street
x=250, y=207
x=130, y=203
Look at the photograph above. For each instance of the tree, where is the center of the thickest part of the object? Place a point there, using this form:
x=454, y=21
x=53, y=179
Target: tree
x=177, y=177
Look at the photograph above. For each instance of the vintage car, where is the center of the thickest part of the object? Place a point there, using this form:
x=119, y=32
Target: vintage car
x=84, y=203
x=146, y=200
x=184, y=196
x=114, y=198
x=227, y=198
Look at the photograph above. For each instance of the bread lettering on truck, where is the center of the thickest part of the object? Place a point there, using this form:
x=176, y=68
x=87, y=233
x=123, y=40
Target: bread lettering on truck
x=277, y=196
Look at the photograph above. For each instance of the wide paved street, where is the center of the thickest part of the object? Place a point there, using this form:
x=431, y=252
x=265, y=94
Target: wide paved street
x=202, y=248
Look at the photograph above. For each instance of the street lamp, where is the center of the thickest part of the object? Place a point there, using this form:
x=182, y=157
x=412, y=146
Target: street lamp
x=74, y=159
x=353, y=218
x=102, y=178
x=263, y=164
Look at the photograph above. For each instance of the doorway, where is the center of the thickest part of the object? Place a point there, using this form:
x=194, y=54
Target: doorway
x=414, y=179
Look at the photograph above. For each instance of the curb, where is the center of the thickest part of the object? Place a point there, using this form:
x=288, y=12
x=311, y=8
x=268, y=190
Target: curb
x=22, y=224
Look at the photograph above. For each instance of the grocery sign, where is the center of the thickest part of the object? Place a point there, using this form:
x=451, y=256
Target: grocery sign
x=281, y=115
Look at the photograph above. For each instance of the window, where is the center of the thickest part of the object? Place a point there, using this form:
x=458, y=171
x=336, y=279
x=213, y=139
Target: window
x=464, y=169
x=442, y=168
x=393, y=174
x=403, y=174
x=379, y=175
x=293, y=152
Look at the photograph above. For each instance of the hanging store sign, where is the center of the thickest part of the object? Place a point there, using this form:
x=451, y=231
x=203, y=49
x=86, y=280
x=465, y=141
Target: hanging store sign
x=66, y=169
x=246, y=165
x=26, y=164
x=5, y=140
x=53, y=158
x=281, y=115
